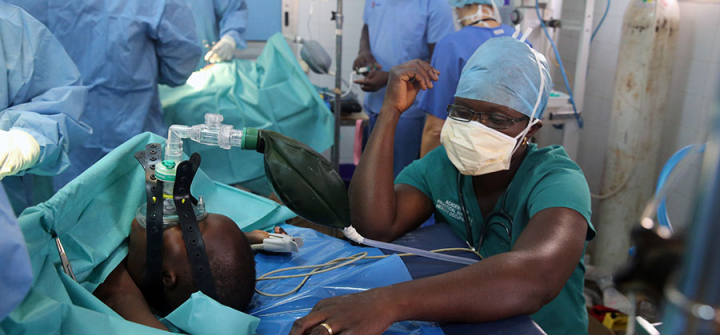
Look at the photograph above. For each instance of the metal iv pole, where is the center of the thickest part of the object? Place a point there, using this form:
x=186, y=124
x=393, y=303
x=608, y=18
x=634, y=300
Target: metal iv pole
x=338, y=17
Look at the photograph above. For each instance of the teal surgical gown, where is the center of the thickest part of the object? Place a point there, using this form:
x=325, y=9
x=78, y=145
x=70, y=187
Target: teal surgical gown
x=217, y=18
x=123, y=49
x=546, y=178
x=41, y=94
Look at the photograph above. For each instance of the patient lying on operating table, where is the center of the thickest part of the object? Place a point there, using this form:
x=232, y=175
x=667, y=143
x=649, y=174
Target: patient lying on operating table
x=228, y=251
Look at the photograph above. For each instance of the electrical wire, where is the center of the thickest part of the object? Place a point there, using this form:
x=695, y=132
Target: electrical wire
x=607, y=9
x=332, y=265
x=553, y=60
x=349, y=84
x=578, y=118
x=310, y=14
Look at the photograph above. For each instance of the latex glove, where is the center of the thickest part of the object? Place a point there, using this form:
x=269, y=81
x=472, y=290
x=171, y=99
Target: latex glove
x=18, y=151
x=222, y=51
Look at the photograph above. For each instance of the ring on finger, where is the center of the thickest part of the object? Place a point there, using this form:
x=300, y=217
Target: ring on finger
x=327, y=327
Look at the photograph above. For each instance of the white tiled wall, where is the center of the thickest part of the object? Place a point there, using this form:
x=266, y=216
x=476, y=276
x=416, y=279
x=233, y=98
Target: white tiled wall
x=694, y=87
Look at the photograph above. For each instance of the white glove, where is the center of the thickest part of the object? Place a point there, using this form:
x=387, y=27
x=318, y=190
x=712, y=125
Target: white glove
x=222, y=51
x=18, y=151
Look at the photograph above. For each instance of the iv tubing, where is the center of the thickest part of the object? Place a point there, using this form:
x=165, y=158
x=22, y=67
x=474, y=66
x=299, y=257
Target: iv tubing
x=354, y=236
x=332, y=265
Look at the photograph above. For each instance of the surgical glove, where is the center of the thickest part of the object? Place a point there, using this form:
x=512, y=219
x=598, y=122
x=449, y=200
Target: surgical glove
x=222, y=51
x=18, y=151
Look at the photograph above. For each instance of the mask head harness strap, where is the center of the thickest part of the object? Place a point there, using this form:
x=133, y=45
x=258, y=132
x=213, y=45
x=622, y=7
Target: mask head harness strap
x=197, y=255
x=192, y=237
x=152, y=278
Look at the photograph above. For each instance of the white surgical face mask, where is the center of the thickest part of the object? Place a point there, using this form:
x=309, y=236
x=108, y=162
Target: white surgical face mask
x=476, y=149
x=480, y=14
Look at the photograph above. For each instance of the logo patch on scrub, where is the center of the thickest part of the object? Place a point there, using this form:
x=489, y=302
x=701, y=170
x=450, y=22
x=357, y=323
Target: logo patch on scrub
x=450, y=208
x=375, y=4
x=499, y=31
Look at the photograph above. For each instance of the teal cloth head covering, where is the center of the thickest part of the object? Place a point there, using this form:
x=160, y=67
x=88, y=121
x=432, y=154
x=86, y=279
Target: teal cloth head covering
x=505, y=71
x=463, y=3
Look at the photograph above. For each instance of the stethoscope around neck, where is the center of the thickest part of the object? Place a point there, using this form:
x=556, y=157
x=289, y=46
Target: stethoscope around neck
x=488, y=222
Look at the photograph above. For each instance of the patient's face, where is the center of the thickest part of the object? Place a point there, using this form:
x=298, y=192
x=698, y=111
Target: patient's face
x=173, y=248
x=229, y=253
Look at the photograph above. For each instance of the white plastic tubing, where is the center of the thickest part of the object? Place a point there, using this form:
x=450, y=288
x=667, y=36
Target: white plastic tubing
x=354, y=236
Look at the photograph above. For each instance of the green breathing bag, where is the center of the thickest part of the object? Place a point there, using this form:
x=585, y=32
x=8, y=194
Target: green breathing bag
x=303, y=179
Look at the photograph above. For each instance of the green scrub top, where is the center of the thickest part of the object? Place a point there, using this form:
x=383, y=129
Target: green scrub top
x=546, y=178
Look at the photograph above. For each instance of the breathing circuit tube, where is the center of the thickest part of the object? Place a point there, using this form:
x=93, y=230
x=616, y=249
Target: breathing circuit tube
x=672, y=162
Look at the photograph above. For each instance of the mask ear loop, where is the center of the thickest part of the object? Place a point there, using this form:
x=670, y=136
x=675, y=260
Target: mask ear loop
x=480, y=15
x=526, y=34
x=537, y=101
x=496, y=12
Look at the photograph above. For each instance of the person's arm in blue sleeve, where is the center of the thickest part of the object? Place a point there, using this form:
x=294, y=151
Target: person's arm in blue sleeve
x=233, y=16
x=435, y=101
x=45, y=97
x=440, y=23
x=16, y=275
x=177, y=45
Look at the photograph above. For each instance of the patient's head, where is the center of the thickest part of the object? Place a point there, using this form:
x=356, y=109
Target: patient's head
x=229, y=253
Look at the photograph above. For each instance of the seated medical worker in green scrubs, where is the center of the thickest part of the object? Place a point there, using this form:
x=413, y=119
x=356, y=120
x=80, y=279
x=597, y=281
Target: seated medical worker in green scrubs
x=527, y=209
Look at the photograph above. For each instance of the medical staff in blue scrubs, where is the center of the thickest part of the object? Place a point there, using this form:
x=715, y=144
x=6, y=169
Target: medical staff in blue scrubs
x=226, y=19
x=41, y=100
x=16, y=273
x=396, y=32
x=123, y=50
x=481, y=21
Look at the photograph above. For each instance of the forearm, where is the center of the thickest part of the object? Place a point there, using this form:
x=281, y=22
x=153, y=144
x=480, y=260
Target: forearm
x=364, y=40
x=498, y=287
x=134, y=308
x=430, y=137
x=372, y=194
x=517, y=282
x=120, y=293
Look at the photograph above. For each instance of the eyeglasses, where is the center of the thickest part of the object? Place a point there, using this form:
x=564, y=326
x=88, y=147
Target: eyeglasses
x=492, y=120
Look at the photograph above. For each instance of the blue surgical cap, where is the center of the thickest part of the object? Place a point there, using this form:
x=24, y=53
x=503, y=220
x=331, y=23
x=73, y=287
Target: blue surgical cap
x=463, y=3
x=504, y=71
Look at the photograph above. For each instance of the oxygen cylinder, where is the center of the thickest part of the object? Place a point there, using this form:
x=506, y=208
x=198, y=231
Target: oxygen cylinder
x=304, y=180
x=644, y=70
